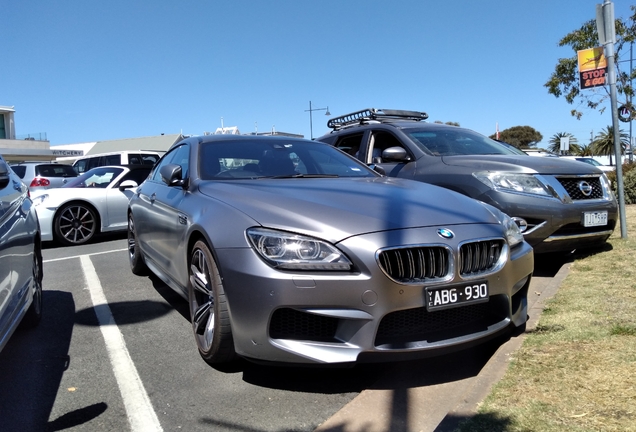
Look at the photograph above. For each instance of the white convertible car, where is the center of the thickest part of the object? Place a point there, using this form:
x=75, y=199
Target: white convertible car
x=92, y=203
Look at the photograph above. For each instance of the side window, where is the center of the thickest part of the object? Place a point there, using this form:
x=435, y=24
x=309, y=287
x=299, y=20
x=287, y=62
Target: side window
x=80, y=165
x=149, y=159
x=179, y=156
x=93, y=162
x=381, y=141
x=136, y=175
x=350, y=144
x=134, y=159
x=111, y=160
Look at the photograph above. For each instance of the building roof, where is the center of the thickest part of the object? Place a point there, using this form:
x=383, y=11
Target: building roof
x=160, y=143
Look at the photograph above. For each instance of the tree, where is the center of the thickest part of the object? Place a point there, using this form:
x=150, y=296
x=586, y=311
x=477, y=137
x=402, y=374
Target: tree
x=450, y=123
x=520, y=136
x=564, y=81
x=585, y=150
x=604, y=142
x=555, y=143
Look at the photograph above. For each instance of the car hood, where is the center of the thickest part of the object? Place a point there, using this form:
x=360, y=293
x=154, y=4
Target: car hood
x=521, y=164
x=335, y=209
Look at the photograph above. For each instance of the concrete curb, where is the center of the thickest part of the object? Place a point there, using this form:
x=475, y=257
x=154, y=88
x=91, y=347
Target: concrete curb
x=405, y=408
x=497, y=366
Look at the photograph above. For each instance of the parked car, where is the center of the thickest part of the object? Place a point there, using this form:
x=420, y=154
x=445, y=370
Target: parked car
x=43, y=175
x=20, y=257
x=125, y=157
x=591, y=161
x=92, y=203
x=289, y=250
x=560, y=205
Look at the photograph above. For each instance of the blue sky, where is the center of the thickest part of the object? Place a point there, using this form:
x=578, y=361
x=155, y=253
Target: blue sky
x=84, y=71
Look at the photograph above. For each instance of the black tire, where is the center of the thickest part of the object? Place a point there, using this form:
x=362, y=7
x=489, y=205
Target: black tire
x=208, y=308
x=33, y=315
x=75, y=224
x=135, y=258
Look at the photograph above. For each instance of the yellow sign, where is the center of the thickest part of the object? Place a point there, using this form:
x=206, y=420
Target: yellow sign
x=592, y=67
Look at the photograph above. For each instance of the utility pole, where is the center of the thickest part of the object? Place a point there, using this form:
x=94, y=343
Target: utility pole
x=607, y=37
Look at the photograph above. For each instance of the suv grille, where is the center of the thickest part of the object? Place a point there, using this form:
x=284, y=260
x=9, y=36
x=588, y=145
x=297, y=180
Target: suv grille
x=479, y=256
x=572, y=186
x=416, y=263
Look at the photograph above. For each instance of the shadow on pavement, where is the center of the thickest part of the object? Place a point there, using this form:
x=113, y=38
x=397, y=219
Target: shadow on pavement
x=32, y=365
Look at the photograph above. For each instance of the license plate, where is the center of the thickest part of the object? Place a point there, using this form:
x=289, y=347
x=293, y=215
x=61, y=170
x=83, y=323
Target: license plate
x=456, y=295
x=591, y=219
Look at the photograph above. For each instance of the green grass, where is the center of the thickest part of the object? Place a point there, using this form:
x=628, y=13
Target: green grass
x=576, y=371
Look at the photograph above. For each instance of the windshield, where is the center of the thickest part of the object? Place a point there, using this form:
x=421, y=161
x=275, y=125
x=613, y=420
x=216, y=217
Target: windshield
x=590, y=161
x=97, y=177
x=451, y=141
x=276, y=158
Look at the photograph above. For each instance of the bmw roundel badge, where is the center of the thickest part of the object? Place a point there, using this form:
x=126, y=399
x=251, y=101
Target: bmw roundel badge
x=445, y=233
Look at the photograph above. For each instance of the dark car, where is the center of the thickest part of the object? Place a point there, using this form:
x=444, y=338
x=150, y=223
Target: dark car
x=560, y=205
x=288, y=250
x=20, y=257
x=43, y=175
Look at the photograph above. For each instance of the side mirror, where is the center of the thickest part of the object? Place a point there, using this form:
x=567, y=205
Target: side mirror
x=127, y=184
x=378, y=169
x=171, y=174
x=4, y=173
x=395, y=154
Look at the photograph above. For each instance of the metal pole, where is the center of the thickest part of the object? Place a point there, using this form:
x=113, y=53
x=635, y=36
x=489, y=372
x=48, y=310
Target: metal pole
x=631, y=141
x=608, y=18
x=311, y=125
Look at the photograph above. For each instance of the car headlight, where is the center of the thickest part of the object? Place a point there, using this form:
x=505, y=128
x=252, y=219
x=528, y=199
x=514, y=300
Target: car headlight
x=512, y=233
x=290, y=251
x=39, y=199
x=512, y=182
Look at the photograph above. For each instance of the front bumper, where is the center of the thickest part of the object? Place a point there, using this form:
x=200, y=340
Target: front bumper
x=347, y=317
x=556, y=225
x=46, y=216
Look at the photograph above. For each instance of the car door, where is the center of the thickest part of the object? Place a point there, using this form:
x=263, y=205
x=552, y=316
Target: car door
x=158, y=220
x=117, y=199
x=13, y=268
x=380, y=140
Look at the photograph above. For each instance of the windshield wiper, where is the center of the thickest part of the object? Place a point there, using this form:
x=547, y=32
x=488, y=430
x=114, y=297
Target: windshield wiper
x=302, y=176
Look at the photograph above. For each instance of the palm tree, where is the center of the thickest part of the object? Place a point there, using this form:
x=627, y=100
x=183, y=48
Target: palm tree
x=604, y=142
x=585, y=150
x=555, y=143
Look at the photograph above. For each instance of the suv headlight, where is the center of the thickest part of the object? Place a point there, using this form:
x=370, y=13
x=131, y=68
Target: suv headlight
x=512, y=182
x=291, y=251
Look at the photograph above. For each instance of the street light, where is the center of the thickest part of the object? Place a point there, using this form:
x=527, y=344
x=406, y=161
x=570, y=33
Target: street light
x=311, y=110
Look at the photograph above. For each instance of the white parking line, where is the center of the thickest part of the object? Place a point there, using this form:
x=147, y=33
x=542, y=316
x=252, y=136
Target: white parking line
x=79, y=256
x=139, y=410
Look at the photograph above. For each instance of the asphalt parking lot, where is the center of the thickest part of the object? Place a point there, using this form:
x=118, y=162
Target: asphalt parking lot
x=115, y=352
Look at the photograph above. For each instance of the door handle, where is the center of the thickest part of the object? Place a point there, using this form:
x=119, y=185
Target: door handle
x=153, y=197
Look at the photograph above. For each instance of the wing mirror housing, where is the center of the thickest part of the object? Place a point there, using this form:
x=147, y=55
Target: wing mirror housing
x=127, y=184
x=4, y=173
x=378, y=169
x=171, y=175
x=395, y=154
